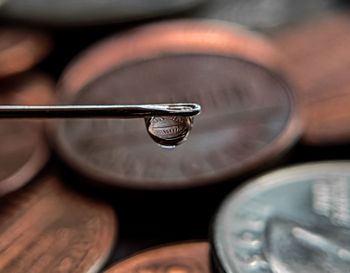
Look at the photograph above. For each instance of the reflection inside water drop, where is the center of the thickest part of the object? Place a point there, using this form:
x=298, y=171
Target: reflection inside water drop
x=169, y=131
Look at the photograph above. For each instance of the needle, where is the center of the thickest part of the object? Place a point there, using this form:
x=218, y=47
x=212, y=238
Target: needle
x=99, y=111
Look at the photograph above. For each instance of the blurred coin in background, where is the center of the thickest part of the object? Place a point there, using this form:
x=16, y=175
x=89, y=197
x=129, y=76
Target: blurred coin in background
x=91, y=12
x=291, y=220
x=20, y=49
x=248, y=115
x=47, y=227
x=262, y=14
x=187, y=257
x=23, y=147
x=318, y=64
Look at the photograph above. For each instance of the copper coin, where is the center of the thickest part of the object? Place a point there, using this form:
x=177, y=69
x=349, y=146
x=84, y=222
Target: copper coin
x=23, y=148
x=189, y=257
x=91, y=12
x=47, y=227
x=182, y=36
x=318, y=64
x=20, y=49
x=248, y=115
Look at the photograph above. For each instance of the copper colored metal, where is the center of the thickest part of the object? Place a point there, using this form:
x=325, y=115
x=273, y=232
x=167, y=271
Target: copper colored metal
x=23, y=148
x=248, y=114
x=189, y=257
x=20, y=49
x=156, y=39
x=318, y=57
x=47, y=227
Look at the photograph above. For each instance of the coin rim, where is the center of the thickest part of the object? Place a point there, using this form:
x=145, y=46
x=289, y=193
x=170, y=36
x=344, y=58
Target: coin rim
x=280, y=145
x=171, y=246
x=260, y=183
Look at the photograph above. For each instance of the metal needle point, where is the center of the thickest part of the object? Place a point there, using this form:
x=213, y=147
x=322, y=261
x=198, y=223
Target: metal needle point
x=167, y=124
x=99, y=111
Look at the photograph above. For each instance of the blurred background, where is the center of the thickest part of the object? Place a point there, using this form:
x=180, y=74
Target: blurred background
x=292, y=57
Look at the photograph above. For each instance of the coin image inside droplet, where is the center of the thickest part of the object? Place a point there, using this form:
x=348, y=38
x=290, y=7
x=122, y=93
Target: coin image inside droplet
x=169, y=131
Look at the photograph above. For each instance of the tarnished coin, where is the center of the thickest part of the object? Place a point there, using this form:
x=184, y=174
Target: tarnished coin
x=262, y=14
x=247, y=118
x=189, y=257
x=47, y=227
x=20, y=49
x=91, y=12
x=318, y=59
x=291, y=220
x=23, y=148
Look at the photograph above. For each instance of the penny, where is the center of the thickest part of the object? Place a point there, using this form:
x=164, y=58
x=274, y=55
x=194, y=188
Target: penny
x=47, y=227
x=263, y=15
x=23, y=148
x=20, y=49
x=91, y=12
x=189, y=257
x=291, y=220
x=182, y=36
x=317, y=64
x=248, y=117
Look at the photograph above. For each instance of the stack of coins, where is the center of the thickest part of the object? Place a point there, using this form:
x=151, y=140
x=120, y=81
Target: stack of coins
x=267, y=88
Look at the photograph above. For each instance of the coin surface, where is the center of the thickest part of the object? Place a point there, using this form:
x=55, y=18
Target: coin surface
x=291, y=220
x=169, y=132
x=47, y=227
x=20, y=49
x=23, y=148
x=91, y=12
x=247, y=118
x=265, y=15
x=188, y=257
x=317, y=63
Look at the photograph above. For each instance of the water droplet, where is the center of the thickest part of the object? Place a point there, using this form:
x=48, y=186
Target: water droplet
x=169, y=131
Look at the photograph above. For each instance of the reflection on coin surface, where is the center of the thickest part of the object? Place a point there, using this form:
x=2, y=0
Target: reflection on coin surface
x=247, y=118
x=191, y=257
x=262, y=14
x=47, y=227
x=23, y=148
x=318, y=58
x=20, y=49
x=170, y=131
x=292, y=220
x=90, y=12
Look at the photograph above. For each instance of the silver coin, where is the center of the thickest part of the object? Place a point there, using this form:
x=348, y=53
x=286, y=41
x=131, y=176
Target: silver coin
x=292, y=220
x=82, y=12
x=262, y=14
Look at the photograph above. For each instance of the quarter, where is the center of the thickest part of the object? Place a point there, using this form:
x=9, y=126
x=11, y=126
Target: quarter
x=291, y=220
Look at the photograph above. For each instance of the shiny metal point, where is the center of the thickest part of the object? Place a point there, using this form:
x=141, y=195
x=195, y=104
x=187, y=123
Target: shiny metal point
x=167, y=124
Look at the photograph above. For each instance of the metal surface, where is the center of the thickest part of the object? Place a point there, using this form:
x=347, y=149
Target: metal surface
x=247, y=119
x=187, y=257
x=48, y=227
x=91, y=12
x=291, y=220
x=263, y=15
x=99, y=111
x=181, y=36
x=23, y=148
x=20, y=49
x=317, y=62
